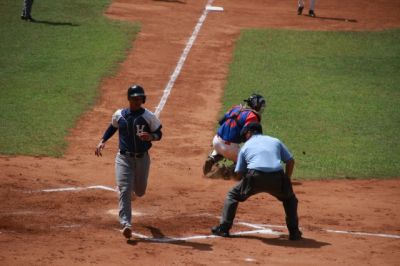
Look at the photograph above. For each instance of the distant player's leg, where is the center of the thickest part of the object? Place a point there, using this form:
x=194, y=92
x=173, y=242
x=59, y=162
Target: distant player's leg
x=300, y=7
x=312, y=6
x=26, y=13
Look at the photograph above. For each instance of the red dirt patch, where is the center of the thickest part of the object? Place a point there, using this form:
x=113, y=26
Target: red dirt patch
x=65, y=228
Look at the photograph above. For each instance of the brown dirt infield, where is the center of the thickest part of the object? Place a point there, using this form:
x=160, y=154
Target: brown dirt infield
x=81, y=227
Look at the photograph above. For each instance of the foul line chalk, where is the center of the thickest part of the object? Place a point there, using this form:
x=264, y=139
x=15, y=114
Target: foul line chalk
x=362, y=234
x=255, y=226
x=214, y=8
x=182, y=60
x=262, y=226
x=75, y=189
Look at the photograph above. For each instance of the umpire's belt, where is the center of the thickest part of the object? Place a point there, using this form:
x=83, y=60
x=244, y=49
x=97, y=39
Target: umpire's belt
x=132, y=154
x=253, y=172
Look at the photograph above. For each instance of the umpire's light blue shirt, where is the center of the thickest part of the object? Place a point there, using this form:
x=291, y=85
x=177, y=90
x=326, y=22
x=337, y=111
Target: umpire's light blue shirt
x=263, y=153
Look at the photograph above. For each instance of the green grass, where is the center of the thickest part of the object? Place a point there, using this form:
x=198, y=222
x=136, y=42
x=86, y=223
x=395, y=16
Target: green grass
x=50, y=71
x=333, y=97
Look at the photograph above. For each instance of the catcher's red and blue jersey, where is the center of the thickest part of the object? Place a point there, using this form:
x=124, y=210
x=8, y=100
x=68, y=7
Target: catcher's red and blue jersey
x=234, y=120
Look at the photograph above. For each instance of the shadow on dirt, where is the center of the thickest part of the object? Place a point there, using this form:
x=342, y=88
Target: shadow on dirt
x=284, y=242
x=158, y=235
x=336, y=19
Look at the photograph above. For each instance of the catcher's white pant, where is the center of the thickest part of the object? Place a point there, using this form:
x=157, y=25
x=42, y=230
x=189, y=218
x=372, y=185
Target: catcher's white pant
x=312, y=4
x=227, y=149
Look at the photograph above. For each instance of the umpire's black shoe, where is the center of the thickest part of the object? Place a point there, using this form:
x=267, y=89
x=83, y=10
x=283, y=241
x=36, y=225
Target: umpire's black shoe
x=220, y=230
x=300, y=10
x=311, y=13
x=295, y=235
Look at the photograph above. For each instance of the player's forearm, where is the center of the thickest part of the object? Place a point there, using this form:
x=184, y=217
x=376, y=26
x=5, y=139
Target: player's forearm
x=109, y=133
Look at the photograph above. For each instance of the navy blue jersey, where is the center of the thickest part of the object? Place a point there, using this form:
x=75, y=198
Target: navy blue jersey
x=129, y=125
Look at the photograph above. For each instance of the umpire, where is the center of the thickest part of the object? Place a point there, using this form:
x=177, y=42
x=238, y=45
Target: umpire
x=259, y=162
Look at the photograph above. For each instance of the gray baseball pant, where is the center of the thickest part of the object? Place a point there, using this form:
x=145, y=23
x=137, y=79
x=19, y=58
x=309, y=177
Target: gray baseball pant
x=131, y=176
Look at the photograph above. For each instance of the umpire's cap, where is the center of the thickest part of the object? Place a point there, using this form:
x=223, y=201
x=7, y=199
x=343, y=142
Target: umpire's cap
x=135, y=91
x=253, y=127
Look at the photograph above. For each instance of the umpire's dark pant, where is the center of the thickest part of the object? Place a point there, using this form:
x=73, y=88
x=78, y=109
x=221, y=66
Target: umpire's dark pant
x=277, y=184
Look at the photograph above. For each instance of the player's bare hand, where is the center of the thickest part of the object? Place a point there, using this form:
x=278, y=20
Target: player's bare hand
x=145, y=136
x=99, y=148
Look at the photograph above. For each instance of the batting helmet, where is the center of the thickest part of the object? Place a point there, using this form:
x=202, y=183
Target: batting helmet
x=135, y=91
x=256, y=102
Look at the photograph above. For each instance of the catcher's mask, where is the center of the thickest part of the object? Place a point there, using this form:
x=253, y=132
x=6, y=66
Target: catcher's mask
x=253, y=127
x=256, y=102
x=135, y=91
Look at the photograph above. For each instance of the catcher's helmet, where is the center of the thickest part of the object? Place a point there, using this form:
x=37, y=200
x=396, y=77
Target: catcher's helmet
x=136, y=90
x=256, y=102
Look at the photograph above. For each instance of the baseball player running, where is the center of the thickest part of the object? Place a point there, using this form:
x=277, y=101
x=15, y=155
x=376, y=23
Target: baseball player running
x=226, y=141
x=259, y=162
x=137, y=128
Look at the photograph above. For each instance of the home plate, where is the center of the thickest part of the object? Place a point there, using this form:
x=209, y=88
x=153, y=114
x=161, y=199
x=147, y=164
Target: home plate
x=214, y=8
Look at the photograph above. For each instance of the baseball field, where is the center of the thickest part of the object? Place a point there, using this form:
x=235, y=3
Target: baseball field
x=331, y=85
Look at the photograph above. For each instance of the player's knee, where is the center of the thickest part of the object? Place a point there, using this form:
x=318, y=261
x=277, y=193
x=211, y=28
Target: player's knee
x=235, y=195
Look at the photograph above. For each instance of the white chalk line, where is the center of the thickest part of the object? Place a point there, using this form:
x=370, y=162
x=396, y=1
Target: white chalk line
x=362, y=233
x=260, y=226
x=182, y=60
x=75, y=189
x=197, y=237
x=259, y=229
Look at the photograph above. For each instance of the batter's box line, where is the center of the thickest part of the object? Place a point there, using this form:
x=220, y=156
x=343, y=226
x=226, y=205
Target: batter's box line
x=198, y=237
x=73, y=189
